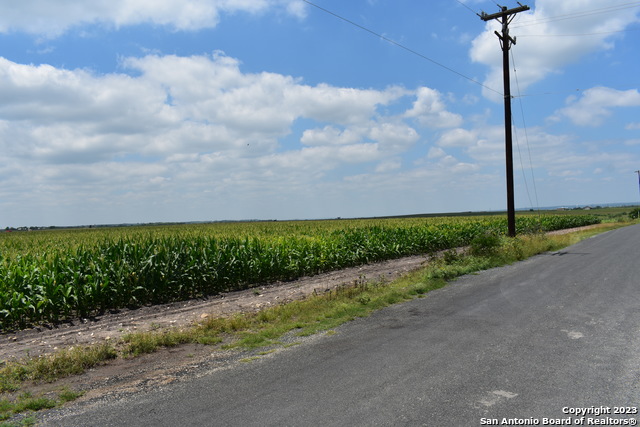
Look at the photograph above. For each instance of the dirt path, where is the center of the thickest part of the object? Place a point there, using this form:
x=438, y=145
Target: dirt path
x=127, y=376
x=111, y=326
x=123, y=377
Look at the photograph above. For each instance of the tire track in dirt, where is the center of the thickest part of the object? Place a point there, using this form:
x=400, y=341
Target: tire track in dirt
x=45, y=339
x=111, y=326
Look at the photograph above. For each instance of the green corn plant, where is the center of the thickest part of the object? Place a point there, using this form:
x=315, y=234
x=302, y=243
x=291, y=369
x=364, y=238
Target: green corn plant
x=53, y=276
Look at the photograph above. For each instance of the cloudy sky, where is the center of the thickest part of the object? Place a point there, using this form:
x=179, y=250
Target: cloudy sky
x=118, y=111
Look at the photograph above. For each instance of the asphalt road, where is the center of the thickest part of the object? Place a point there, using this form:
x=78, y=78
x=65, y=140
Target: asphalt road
x=531, y=341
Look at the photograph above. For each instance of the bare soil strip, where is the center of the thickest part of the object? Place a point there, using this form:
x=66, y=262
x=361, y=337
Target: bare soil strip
x=110, y=326
x=126, y=376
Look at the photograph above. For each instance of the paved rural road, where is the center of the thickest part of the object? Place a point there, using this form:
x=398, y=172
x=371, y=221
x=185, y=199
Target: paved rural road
x=560, y=330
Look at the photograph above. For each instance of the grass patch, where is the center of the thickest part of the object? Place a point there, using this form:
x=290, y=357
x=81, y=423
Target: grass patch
x=57, y=365
x=147, y=342
x=27, y=402
x=321, y=312
x=66, y=395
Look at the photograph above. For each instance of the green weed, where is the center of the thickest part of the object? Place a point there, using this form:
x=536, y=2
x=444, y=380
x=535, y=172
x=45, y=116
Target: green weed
x=320, y=312
x=53, y=276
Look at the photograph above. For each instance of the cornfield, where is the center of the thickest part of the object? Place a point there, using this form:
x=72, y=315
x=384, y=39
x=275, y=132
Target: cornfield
x=50, y=276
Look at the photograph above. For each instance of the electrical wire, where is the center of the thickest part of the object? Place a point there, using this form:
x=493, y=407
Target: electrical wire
x=524, y=175
x=576, y=15
x=521, y=24
x=395, y=43
x=467, y=6
x=526, y=95
x=526, y=137
x=579, y=35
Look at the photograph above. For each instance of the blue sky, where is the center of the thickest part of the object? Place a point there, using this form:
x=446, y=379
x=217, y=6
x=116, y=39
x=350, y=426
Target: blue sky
x=118, y=111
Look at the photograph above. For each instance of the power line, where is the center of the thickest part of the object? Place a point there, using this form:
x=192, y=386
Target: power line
x=526, y=137
x=576, y=15
x=393, y=42
x=578, y=34
x=526, y=95
x=467, y=6
x=521, y=24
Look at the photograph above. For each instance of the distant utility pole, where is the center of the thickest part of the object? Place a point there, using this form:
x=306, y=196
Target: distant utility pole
x=505, y=16
x=638, y=172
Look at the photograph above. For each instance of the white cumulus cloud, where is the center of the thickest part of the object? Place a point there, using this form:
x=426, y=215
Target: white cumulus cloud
x=184, y=130
x=458, y=138
x=549, y=37
x=596, y=103
x=52, y=18
x=429, y=109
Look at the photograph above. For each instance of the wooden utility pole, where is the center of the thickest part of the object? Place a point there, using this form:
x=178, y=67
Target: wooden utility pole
x=505, y=16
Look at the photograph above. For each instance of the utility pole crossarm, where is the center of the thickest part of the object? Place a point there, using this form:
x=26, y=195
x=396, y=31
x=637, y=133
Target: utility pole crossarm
x=504, y=13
